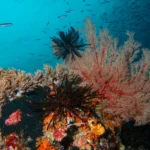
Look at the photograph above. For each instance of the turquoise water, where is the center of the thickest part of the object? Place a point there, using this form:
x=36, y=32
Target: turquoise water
x=26, y=28
x=26, y=44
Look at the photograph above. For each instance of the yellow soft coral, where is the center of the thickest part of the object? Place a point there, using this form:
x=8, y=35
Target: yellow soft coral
x=96, y=128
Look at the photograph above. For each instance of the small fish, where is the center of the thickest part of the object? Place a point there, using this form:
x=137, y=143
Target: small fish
x=88, y=4
x=44, y=31
x=32, y=54
x=62, y=16
x=38, y=59
x=67, y=3
x=101, y=27
x=57, y=29
x=69, y=11
x=29, y=115
x=89, y=10
x=82, y=11
x=44, y=55
x=105, y=1
x=64, y=26
x=5, y=24
x=47, y=23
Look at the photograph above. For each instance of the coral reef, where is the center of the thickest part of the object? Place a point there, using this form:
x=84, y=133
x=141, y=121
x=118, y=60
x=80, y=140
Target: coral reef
x=13, y=141
x=88, y=103
x=61, y=98
x=15, y=82
x=121, y=78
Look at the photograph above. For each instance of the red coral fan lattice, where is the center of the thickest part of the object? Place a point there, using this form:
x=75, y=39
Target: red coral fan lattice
x=120, y=77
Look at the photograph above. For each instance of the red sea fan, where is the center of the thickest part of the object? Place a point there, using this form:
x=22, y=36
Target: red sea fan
x=14, y=118
x=121, y=79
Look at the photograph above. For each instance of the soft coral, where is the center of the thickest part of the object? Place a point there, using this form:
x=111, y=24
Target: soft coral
x=119, y=79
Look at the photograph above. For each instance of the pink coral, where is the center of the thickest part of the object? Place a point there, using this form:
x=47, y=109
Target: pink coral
x=122, y=82
x=59, y=134
x=14, y=118
x=80, y=141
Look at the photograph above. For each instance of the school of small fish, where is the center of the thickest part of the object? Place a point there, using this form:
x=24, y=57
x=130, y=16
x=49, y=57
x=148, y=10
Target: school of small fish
x=124, y=15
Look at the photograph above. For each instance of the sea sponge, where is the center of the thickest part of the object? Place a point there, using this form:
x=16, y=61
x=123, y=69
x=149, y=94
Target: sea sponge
x=96, y=128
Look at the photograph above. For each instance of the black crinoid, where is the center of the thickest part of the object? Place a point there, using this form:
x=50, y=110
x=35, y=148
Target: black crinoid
x=69, y=96
x=68, y=45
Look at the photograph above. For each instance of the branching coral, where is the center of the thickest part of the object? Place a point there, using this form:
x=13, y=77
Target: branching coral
x=15, y=82
x=12, y=81
x=120, y=78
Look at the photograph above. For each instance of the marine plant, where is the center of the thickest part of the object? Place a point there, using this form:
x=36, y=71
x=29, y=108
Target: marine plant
x=122, y=80
x=68, y=45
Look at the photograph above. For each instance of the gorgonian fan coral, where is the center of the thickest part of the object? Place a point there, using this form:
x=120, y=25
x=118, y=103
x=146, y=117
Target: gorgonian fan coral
x=68, y=45
x=68, y=96
x=121, y=79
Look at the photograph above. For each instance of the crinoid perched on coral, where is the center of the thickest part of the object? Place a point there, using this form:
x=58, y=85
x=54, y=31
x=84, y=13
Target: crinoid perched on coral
x=69, y=97
x=122, y=80
x=68, y=45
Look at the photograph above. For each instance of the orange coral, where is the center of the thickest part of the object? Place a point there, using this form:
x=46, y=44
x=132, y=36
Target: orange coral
x=45, y=145
x=92, y=136
x=96, y=128
x=94, y=101
x=78, y=120
x=47, y=120
x=58, y=125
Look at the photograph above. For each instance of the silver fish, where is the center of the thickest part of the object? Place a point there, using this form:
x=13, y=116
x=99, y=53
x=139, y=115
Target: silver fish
x=63, y=16
x=5, y=24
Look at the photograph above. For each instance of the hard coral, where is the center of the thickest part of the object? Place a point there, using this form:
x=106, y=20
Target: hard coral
x=13, y=83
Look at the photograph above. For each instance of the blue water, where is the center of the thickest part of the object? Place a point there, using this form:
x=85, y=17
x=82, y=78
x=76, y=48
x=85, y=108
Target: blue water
x=26, y=44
